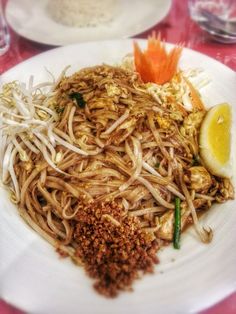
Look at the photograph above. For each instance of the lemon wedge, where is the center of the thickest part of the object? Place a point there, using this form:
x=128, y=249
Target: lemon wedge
x=215, y=140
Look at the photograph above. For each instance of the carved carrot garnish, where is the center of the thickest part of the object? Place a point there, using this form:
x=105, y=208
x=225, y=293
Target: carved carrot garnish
x=156, y=64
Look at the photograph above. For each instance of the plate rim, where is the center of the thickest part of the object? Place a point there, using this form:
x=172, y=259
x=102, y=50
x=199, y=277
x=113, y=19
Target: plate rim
x=100, y=42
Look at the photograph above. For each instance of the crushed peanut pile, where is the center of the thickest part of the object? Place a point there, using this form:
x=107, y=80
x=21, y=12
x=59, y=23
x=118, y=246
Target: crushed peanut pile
x=113, y=247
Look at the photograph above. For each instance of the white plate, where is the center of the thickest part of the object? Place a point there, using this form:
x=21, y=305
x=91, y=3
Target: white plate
x=30, y=19
x=33, y=278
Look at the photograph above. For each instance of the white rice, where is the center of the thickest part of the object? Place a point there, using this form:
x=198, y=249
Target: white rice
x=82, y=13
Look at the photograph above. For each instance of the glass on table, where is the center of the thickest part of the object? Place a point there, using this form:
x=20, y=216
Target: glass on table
x=220, y=8
x=4, y=32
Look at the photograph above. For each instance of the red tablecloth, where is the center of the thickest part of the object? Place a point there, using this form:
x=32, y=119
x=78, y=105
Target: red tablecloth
x=175, y=28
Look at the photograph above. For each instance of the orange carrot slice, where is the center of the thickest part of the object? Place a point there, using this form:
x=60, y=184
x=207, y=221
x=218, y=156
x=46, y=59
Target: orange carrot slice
x=155, y=64
x=143, y=65
x=182, y=109
x=194, y=96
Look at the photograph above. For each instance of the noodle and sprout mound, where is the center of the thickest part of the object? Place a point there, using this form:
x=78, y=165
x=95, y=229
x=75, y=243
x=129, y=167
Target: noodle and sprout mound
x=96, y=162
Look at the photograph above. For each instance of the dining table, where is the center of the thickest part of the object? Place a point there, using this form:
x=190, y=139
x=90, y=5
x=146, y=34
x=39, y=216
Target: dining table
x=177, y=27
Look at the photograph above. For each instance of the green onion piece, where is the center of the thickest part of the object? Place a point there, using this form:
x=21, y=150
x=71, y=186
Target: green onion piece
x=78, y=97
x=60, y=110
x=157, y=165
x=195, y=161
x=177, y=224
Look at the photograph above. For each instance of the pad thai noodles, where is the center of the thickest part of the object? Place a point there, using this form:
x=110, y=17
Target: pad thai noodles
x=105, y=166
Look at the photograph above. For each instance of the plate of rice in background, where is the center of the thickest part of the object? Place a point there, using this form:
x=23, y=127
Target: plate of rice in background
x=89, y=164
x=63, y=22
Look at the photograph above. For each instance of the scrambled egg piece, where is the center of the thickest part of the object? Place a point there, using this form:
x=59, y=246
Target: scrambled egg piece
x=199, y=179
x=192, y=123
